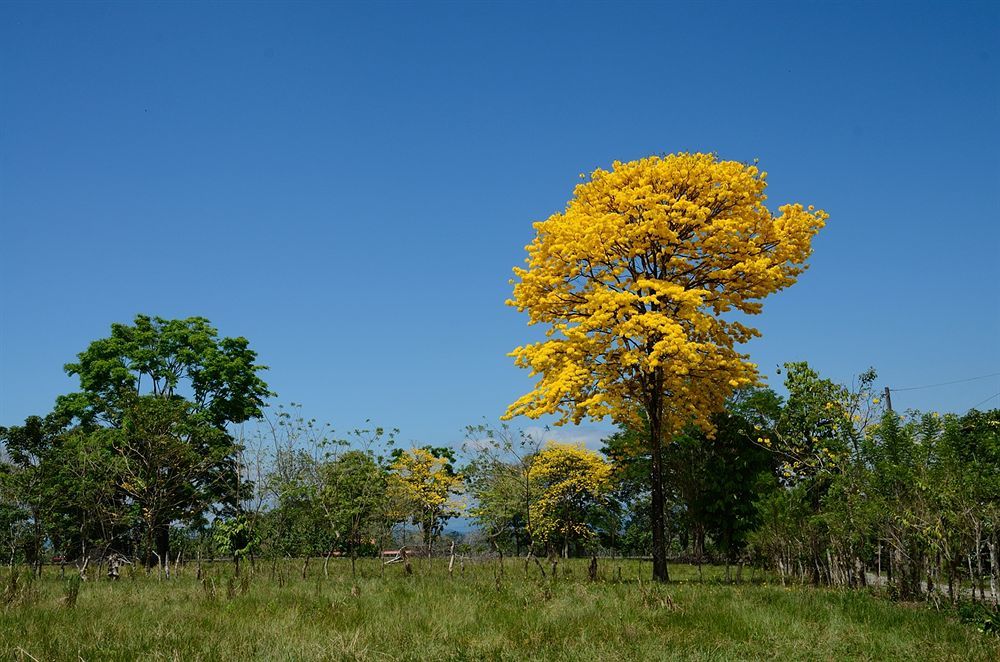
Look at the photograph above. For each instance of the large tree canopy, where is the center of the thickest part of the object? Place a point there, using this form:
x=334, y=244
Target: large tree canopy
x=157, y=396
x=634, y=281
x=167, y=358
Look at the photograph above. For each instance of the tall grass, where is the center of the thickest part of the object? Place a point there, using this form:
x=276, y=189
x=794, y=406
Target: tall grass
x=275, y=614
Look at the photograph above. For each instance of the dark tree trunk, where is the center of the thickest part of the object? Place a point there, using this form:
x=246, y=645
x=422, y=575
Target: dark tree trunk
x=660, y=572
x=163, y=540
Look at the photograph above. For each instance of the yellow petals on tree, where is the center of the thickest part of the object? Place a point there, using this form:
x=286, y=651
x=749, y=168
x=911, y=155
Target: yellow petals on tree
x=572, y=482
x=633, y=282
x=423, y=486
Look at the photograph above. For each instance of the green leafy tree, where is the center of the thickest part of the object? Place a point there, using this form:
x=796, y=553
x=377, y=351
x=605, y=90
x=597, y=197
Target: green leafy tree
x=352, y=494
x=14, y=518
x=170, y=359
x=711, y=482
x=969, y=452
x=26, y=481
x=499, y=478
x=822, y=424
x=64, y=481
x=296, y=525
x=718, y=478
x=236, y=536
x=173, y=466
x=818, y=438
x=161, y=394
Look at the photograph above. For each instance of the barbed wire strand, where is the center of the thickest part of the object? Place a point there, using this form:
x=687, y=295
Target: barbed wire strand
x=984, y=401
x=957, y=381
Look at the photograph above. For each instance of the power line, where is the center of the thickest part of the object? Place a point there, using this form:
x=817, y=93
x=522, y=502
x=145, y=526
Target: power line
x=957, y=381
x=986, y=400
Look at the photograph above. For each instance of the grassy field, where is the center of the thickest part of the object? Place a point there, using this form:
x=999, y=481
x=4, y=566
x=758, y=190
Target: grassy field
x=280, y=616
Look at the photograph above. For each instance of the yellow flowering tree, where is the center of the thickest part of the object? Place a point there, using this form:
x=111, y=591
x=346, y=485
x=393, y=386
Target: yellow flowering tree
x=573, y=483
x=424, y=486
x=634, y=281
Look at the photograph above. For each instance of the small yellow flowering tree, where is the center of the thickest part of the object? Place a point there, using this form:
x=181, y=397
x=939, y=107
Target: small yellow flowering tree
x=633, y=282
x=573, y=483
x=424, y=486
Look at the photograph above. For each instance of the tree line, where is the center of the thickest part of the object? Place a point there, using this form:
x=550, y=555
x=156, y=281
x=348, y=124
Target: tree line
x=168, y=448
x=156, y=458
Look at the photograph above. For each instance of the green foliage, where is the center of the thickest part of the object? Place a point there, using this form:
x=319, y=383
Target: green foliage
x=143, y=445
x=353, y=493
x=718, y=479
x=167, y=358
x=711, y=481
x=235, y=536
x=316, y=493
x=985, y=617
x=502, y=499
x=499, y=480
x=822, y=486
x=913, y=498
x=295, y=525
x=821, y=424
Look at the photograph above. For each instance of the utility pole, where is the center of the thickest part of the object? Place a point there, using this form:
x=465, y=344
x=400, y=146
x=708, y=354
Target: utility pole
x=888, y=399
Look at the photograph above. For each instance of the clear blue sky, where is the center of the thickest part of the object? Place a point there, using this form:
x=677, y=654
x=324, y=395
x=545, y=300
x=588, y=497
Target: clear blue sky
x=349, y=186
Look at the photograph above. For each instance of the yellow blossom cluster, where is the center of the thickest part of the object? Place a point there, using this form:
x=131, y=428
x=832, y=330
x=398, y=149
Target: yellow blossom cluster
x=571, y=479
x=421, y=482
x=637, y=282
